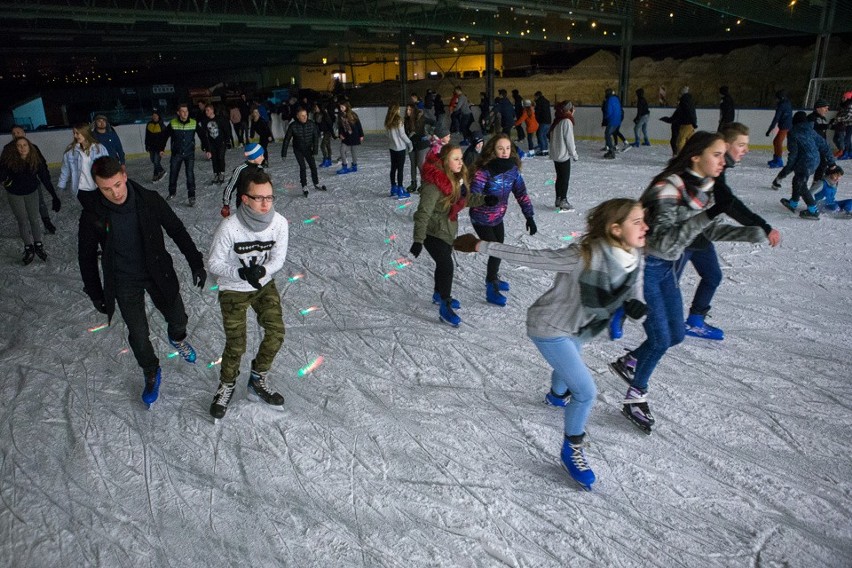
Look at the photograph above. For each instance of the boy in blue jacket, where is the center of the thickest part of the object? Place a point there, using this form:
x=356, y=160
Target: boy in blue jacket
x=806, y=148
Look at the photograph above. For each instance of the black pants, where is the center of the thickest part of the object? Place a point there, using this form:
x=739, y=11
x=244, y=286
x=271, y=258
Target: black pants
x=303, y=174
x=397, y=166
x=801, y=189
x=673, y=140
x=174, y=172
x=563, y=176
x=217, y=156
x=325, y=145
x=442, y=254
x=131, y=303
x=493, y=234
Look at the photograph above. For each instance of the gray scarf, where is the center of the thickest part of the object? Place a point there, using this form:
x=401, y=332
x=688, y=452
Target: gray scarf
x=256, y=222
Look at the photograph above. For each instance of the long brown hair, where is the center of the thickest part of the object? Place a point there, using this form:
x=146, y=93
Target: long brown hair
x=456, y=179
x=348, y=113
x=489, y=151
x=393, y=119
x=599, y=222
x=695, y=146
x=85, y=129
x=412, y=119
x=12, y=159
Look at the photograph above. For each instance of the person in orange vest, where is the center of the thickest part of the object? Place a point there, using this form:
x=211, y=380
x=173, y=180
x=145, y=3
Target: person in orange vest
x=527, y=118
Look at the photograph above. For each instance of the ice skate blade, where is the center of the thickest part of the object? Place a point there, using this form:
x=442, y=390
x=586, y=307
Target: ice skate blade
x=254, y=397
x=582, y=485
x=447, y=322
x=618, y=373
x=646, y=429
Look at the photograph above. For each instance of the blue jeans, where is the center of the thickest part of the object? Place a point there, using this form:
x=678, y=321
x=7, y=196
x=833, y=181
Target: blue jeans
x=641, y=124
x=157, y=161
x=664, y=322
x=174, y=172
x=543, y=131
x=706, y=264
x=570, y=373
x=608, y=136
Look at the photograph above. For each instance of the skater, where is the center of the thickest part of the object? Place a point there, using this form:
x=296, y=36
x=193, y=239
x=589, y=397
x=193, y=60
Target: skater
x=563, y=151
x=498, y=173
x=443, y=194
x=472, y=152
x=530, y=124
x=107, y=137
x=640, y=121
x=594, y=277
x=415, y=128
x=806, y=150
x=351, y=135
x=825, y=191
x=248, y=249
x=253, y=153
x=20, y=173
x=77, y=165
x=215, y=140
x=260, y=128
x=156, y=138
x=400, y=146
x=305, y=136
x=182, y=130
x=326, y=129
x=783, y=118
x=612, y=115
x=127, y=224
x=727, y=109
x=10, y=150
x=679, y=207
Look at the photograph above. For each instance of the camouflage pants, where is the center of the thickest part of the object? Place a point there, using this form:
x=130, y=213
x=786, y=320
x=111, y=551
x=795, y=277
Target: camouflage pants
x=266, y=303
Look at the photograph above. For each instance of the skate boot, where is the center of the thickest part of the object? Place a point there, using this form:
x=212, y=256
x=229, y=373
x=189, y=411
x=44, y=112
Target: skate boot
x=635, y=408
x=344, y=170
x=610, y=155
x=191, y=202
x=791, y=205
x=29, y=254
x=257, y=387
x=624, y=367
x=39, y=250
x=493, y=295
x=436, y=299
x=574, y=461
x=354, y=167
x=401, y=193
x=320, y=188
x=221, y=400
x=565, y=206
x=776, y=184
x=152, y=388
x=554, y=399
x=502, y=285
x=813, y=215
x=616, y=324
x=305, y=190
x=447, y=315
x=48, y=226
x=185, y=350
x=696, y=327
x=394, y=192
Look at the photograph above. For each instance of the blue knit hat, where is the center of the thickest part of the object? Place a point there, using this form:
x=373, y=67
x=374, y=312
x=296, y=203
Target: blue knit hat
x=253, y=150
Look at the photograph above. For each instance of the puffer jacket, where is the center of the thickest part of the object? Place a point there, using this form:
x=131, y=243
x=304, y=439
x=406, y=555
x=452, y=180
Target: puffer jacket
x=805, y=147
x=490, y=180
x=305, y=137
x=182, y=135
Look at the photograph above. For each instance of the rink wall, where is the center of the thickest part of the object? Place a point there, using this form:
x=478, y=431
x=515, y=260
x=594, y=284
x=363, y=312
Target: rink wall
x=52, y=143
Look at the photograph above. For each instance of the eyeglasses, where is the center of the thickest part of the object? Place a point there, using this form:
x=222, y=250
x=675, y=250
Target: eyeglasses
x=261, y=198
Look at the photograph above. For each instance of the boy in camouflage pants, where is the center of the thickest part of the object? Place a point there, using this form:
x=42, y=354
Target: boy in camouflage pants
x=248, y=248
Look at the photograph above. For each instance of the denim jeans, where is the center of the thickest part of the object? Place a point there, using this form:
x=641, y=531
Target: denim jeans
x=156, y=159
x=131, y=303
x=609, y=138
x=543, y=131
x=174, y=172
x=641, y=125
x=706, y=264
x=664, y=323
x=564, y=354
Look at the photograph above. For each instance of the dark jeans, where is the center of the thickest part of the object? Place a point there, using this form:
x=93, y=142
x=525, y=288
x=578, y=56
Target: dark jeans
x=493, y=234
x=174, y=172
x=131, y=303
x=563, y=176
x=800, y=188
x=541, y=134
x=240, y=130
x=609, y=138
x=664, y=323
x=465, y=122
x=157, y=160
x=442, y=254
x=302, y=159
x=706, y=264
x=217, y=156
x=397, y=166
x=325, y=145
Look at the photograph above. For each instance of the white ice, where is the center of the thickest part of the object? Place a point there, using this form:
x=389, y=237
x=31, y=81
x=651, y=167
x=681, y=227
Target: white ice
x=415, y=444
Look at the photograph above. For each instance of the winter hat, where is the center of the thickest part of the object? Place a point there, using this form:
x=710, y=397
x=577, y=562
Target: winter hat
x=253, y=150
x=723, y=90
x=476, y=139
x=820, y=103
x=833, y=169
x=441, y=130
x=97, y=116
x=527, y=103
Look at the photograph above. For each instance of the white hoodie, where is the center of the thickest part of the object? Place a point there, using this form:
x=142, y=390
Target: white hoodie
x=235, y=245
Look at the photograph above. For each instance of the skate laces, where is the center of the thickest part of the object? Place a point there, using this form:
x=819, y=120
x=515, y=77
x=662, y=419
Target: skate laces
x=185, y=350
x=223, y=394
x=258, y=382
x=578, y=458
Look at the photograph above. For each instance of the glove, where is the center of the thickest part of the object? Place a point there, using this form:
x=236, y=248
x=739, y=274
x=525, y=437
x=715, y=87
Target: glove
x=100, y=305
x=531, y=226
x=199, y=277
x=57, y=205
x=252, y=274
x=635, y=309
x=466, y=243
x=226, y=210
x=768, y=132
x=723, y=202
x=491, y=200
x=416, y=249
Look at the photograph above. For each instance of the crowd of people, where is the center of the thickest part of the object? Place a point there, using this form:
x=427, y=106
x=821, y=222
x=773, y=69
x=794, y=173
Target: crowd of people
x=626, y=265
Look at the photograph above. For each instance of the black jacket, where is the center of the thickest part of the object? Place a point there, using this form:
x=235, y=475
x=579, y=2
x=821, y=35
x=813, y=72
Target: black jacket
x=542, y=111
x=305, y=138
x=155, y=215
x=262, y=130
x=156, y=136
x=216, y=132
x=726, y=109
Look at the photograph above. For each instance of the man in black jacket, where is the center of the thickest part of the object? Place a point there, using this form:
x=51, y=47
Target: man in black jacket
x=305, y=136
x=128, y=223
x=544, y=117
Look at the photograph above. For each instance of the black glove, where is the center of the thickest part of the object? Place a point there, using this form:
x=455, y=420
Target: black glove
x=635, y=309
x=252, y=274
x=491, y=200
x=100, y=305
x=416, y=249
x=768, y=132
x=57, y=205
x=723, y=203
x=199, y=277
x=531, y=226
